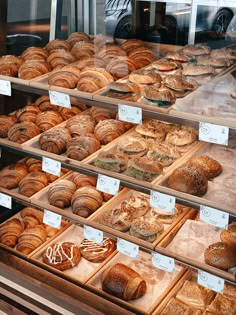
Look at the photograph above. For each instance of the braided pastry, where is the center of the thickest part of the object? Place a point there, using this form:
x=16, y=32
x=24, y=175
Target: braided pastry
x=60, y=194
x=27, y=113
x=93, y=79
x=86, y=200
x=11, y=175
x=90, y=62
x=6, y=122
x=54, y=140
x=31, y=69
x=77, y=37
x=43, y=103
x=82, y=180
x=56, y=44
x=23, y=131
x=101, y=113
x=32, y=183
x=31, y=217
x=110, y=51
x=108, y=130
x=34, y=53
x=9, y=65
x=10, y=231
x=48, y=119
x=80, y=125
x=121, y=66
x=62, y=256
x=60, y=58
x=31, y=239
x=80, y=147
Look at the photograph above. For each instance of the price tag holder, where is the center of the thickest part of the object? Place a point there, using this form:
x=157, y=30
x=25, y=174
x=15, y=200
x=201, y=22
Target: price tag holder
x=93, y=234
x=60, y=99
x=108, y=184
x=213, y=133
x=130, y=114
x=127, y=248
x=51, y=166
x=52, y=219
x=162, y=201
x=5, y=201
x=5, y=87
x=163, y=262
x=210, y=281
x=214, y=217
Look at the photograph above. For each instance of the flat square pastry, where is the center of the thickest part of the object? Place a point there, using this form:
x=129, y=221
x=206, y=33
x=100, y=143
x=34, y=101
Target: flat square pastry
x=177, y=307
x=195, y=295
x=223, y=305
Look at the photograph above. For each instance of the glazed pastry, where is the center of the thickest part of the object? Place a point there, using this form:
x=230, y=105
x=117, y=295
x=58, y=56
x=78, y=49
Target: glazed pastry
x=80, y=125
x=142, y=56
x=95, y=252
x=64, y=78
x=101, y=113
x=110, y=51
x=83, y=49
x=31, y=69
x=86, y=200
x=121, y=66
x=32, y=183
x=146, y=76
x=67, y=113
x=10, y=231
x=31, y=217
x=55, y=140
x=48, y=119
x=11, y=175
x=27, y=113
x=123, y=282
x=58, y=44
x=82, y=180
x=90, y=62
x=80, y=147
x=44, y=104
x=34, y=53
x=210, y=167
x=62, y=256
x=6, y=122
x=229, y=236
x=60, y=194
x=108, y=130
x=113, y=161
x=33, y=164
x=31, y=239
x=23, y=131
x=77, y=37
x=60, y=58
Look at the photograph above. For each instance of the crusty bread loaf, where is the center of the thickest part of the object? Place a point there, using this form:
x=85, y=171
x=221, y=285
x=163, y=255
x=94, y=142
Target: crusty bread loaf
x=229, y=235
x=210, y=167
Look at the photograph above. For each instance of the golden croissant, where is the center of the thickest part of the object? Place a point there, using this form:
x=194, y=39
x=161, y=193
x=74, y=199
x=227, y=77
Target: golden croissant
x=10, y=231
x=31, y=238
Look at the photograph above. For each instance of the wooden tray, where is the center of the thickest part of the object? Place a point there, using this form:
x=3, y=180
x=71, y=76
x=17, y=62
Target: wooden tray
x=124, y=195
x=84, y=270
x=158, y=282
x=15, y=80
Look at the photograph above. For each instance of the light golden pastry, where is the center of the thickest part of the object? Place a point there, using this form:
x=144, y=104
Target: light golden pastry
x=9, y=65
x=32, y=183
x=198, y=71
x=121, y=66
x=166, y=66
x=77, y=37
x=210, y=167
x=23, y=131
x=83, y=49
x=132, y=146
x=80, y=125
x=90, y=62
x=6, y=122
x=181, y=135
x=11, y=175
x=163, y=154
x=82, y=180
x=44, y=104
x=108, y=130
x=27, y=113
x=142, y=56
x=67, y=113
x=60, y=58
x=124, y=87
x=56, y=44
x=152, y=128
x=137, y=206
x=55, y=140
x=34, y=53
x=31, y=217
x=196, y=50
x=101, y=113
x=131, y=44
x=48, y=119
x=110, y=51
x=10, y=231
x=31, y=69
x=33, y=164
x=145, y=76
x=64, y=78
x=60, y=193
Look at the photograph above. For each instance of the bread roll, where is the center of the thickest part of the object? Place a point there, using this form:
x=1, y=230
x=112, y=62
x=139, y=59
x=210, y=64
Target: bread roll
x=60, y=193
x=10, y=231
x=152, y=128
x=132, y=146
x=113, y=161
x=223, y=53
x=123, y=282
x=229, y=236
x=6, y=122
x=160, y=95
x=142, y=168
x=210, y=167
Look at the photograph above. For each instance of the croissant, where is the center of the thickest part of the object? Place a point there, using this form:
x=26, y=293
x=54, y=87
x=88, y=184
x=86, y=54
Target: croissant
x=60, y=194
x=90, y=62
x=110, y=51
x=23, y=131
x=101, y=113
x=80, y=125
x=121, y=66
x=56, y=44
x=34, y=53
x=27, y=113
x=131, y=44
x=63, y=78
x=11, y=175
x=55, y=140
x=33, y=164
x=11, y=59
x=60, y=58
x=9, y=65
x=43, y=103
x=48, y=119
x=108, y=130
x=31, y=239
x=80, y=147
x=86, y=200
x=100, y=40
x=82, y=180
x=93, y=79
x=31, y=69
x=10, y=231
x=74, y=102
x=32, y=183
x=83, y=49
x=67, y=113
x=77, y=37
x=50, y=230
x=31, y=217
x=123, y=282
x=51, y=178
x=142, y=56
x=5, y=124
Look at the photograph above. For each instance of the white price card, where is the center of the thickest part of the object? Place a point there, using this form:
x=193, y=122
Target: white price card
x=130, y=114
x=214, y=217
x=93, y=234
x=5, y=87
x=210, y=281
x=5, y=201
x=51, y=166
x=127, y=248
x=163, y=262
x=213, y=133
x=162, y=201
x=52, y=219
x=108, y=184
x=60, y=99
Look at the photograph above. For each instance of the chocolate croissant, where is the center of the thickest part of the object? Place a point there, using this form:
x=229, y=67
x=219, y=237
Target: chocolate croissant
x=48, y=119
x=11, y=175
x=10, y=231
x=60, y=194
x=55, y=140
x=32, y=183
x=31, y=69
x=23, y=131
x=43, y=103
x=81, y=125
x=123, y=282
x=108, y=130
x=27, y=113
x=31, y=217
x=60, y=58
x=6, y=122
x=31, y=239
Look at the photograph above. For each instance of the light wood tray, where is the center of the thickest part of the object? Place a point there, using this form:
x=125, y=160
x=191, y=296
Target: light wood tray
x=15, y=80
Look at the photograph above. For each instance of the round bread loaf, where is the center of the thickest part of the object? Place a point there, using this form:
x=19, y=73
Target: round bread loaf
x=210, y=167
x=229, y=236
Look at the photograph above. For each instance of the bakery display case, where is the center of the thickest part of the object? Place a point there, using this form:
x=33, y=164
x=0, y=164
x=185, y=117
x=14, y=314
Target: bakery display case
x=176, y=87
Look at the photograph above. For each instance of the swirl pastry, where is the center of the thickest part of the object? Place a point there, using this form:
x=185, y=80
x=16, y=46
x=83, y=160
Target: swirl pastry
x=80, y=147
x=11, y=175
x=67, y=113
x=60, y=58
x=77, y=37
x=48, y=119
x=56, y=44
x=27, y=113
x=62, y=256
x=93, y=79
x=64, y=78
x=31, y=217
x=31, y=69
x=60, y=193
x=142, y=56
x=34, y=53
x=55, y=140
x=32, y=183
x=31, y=239
x=33, y=164
x=110, y=51
x=10, y=231
x=101, y=113
x=121, y=66
x=6, y=122
x=108, y=130
x=86, y=200
x=43, y=103
x=95, y=252
x=23, y=131
x=80, y=125
x=83, y=49
x=90, y=62
x=82, y=180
